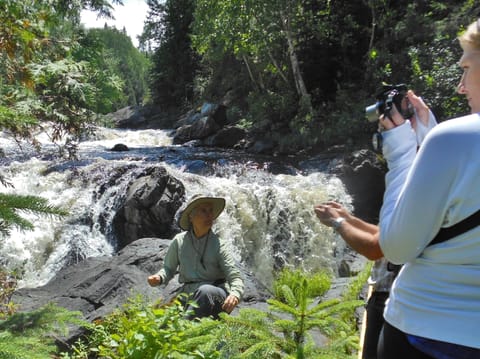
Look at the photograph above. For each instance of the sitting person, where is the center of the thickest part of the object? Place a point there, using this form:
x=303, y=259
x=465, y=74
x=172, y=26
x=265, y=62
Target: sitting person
x=206, y=267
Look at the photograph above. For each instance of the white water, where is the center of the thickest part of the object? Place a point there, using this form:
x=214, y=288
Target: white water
x=268, y=221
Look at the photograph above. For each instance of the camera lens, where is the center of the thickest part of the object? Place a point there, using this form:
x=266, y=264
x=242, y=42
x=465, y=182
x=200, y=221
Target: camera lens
x=371, y=112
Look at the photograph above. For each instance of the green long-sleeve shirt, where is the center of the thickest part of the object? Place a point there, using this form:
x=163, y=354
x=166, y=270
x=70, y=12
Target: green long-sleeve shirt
x=201, y=261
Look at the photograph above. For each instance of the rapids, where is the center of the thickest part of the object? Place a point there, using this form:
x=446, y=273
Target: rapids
x=268, y=222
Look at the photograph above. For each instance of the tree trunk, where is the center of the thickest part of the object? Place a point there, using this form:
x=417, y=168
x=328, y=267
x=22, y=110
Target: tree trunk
x=374, y=25
x=280, y=72
x=250, y=74
x=297, y=75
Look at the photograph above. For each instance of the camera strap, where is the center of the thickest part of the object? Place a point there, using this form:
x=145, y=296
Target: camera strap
x=445, y=234
x=461, y=227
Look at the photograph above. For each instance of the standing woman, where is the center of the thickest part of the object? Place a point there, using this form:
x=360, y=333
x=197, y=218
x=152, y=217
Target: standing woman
x=434, y=305
x=204, y=263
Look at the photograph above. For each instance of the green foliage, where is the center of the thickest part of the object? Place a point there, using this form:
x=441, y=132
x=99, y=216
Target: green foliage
x=49, y=79
x=270, y=110
x=173, y=61
x=119, y=70
x=286, y=330
x=140, y=330
x=11, y=205
x=8, y=285
x=32, y=335
x=318, y=284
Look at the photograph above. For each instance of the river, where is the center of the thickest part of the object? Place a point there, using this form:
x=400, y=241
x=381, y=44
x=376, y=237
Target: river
x=268, y=222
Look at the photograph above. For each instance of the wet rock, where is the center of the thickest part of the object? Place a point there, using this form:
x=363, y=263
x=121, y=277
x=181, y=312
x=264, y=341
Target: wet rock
x=120, y=147
x=200, y=129
x=98, y=286
x=149, y=209
x=227, y=137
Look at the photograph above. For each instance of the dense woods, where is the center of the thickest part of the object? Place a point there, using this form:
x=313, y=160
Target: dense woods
x=301, y=68
x=305, y=68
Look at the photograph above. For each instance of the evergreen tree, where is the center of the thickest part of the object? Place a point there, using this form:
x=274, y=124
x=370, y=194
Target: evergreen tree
x=174, y=63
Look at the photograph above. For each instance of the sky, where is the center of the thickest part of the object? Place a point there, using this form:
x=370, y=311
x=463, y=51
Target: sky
x=131, y=16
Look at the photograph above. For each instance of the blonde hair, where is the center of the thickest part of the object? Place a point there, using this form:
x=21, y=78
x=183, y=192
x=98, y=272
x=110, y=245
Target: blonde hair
x=471, y=36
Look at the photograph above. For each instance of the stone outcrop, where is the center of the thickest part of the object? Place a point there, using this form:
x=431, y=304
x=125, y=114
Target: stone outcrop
x=363, y=175
x=98, y=286
x=208, y=127
x=151, y=203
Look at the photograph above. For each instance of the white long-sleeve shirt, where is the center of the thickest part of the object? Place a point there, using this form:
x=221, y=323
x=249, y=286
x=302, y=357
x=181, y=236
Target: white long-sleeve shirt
x=437, y=293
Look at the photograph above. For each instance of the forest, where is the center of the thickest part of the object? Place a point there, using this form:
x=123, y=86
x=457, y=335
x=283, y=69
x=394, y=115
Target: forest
x=296, y=72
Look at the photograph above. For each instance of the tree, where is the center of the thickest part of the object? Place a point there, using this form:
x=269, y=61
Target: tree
x=116, y=68
x=174, y=63
x=40, y=80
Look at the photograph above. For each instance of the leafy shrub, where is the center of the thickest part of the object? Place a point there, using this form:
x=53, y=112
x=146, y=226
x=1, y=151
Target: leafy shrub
x=141, y=330
x=8, y=285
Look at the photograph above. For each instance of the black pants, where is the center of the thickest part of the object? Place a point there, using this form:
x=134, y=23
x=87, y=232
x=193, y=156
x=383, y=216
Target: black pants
x=209, y=301
x=374, y=324
x=393, y=344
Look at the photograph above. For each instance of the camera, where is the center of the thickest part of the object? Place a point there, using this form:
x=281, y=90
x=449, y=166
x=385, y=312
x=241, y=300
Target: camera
x=386, y=98
x=389, y=95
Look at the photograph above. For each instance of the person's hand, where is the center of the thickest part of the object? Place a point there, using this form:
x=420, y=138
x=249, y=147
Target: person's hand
x=396, y=119
x=327, y=212
x=154, y=280
x=230, y=303
x=341, y=211
x=420, y=108
x=386, y=123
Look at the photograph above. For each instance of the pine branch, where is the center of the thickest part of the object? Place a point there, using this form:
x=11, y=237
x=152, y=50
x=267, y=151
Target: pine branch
x=11, y=204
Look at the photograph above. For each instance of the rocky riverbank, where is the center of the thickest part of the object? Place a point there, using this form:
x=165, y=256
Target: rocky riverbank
x=145, y=221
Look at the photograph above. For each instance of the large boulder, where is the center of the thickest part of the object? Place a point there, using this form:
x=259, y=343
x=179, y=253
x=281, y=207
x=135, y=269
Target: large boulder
x=206, y=125
x=201, y=128
x=227, y=137
x=98, y=286
x=138, y=117
x=151, y=203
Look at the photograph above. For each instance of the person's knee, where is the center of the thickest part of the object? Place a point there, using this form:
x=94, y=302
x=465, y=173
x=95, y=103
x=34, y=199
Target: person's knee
x=209, y=300
x=210, y=292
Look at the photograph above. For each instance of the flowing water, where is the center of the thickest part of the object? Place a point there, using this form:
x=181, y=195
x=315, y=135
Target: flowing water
x=268, y=222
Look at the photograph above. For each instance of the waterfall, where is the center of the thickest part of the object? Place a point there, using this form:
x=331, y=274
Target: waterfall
x=268, y=221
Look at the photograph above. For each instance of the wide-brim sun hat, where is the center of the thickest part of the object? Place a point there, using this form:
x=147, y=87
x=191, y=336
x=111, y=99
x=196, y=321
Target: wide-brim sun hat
x=218, y=206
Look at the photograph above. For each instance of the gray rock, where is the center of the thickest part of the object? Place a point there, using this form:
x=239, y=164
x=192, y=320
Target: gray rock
x=98, y=286
x=364, y=177
x=226, y=137
x=119, y=147
x=199, y=129
x=150, y=206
